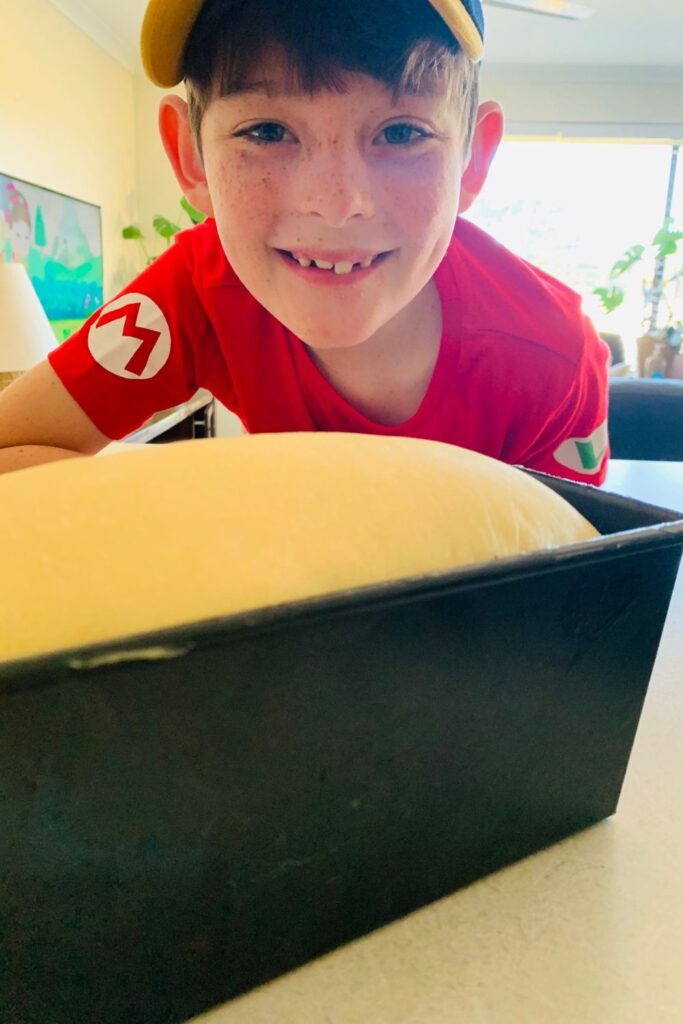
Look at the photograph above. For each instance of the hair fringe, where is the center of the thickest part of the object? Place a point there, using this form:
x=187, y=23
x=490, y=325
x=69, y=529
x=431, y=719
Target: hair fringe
x=416, y=57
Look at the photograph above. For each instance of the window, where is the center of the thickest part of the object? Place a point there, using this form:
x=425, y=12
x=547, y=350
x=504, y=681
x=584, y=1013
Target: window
x=573, y=208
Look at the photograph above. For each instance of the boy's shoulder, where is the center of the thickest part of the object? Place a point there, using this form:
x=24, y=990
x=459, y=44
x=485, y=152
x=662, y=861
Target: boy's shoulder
x=505, y=295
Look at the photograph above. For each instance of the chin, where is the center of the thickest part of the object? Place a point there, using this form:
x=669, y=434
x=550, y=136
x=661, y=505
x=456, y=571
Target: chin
x=327, y=327
x=329, y=337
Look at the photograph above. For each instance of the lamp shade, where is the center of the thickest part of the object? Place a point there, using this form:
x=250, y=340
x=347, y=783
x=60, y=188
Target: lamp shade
x=26, y=336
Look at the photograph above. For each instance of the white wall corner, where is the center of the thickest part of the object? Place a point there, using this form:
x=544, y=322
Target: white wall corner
x=81, y=14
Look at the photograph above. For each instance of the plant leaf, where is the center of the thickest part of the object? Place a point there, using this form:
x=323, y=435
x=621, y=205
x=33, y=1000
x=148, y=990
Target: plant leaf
x=631, y=256
x=664, y=234
x=132, y=232
x=668, y=243
x=195, y=216
x=164, y=227
x=610, y=298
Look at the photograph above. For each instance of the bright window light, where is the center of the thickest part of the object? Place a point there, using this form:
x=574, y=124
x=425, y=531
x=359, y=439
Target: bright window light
x=574, y=208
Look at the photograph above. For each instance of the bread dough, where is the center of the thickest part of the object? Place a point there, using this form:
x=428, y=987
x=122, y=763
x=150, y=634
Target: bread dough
x=97, y=549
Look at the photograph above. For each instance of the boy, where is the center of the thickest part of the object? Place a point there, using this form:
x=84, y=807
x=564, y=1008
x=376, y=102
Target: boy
x=332, y=146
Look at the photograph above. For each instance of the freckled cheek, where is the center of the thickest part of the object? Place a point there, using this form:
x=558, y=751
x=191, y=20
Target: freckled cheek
x=246, y=203
x=422, y=197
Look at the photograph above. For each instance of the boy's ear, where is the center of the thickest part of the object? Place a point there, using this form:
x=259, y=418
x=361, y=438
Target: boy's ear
x=176, y=135
x=486, y=138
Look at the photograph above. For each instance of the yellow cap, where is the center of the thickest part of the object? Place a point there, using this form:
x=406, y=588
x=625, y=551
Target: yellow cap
x=168, y=23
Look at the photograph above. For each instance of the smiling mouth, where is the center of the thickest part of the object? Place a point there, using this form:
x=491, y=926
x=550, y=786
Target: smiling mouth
x=339, y=268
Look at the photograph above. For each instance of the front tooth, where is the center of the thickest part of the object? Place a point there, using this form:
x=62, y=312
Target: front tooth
x=323, y=264
x=366, y=263
x=343, y=268
x=303, y=261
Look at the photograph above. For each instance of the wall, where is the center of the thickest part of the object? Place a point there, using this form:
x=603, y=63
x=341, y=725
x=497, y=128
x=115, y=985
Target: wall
x=67, y=120
x=73, y=119
x=588, y=102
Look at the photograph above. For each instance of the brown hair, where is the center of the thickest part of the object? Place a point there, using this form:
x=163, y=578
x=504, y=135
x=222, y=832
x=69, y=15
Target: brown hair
x=402, y=43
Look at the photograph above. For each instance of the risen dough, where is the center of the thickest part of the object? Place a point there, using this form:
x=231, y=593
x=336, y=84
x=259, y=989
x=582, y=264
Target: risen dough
x=95, y=549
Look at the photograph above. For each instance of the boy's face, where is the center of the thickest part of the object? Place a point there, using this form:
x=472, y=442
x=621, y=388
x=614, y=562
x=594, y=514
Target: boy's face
x=352, y=179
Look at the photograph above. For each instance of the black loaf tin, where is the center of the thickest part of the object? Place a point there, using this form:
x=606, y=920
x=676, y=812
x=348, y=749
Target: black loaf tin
x=239, y=796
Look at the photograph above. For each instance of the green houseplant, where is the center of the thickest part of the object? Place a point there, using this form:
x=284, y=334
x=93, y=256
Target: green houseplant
x=164, y=227
x=658, y=292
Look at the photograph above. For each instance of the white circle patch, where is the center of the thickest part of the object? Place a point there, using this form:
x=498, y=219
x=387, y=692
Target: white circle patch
x=131, y=337
x=584, y=454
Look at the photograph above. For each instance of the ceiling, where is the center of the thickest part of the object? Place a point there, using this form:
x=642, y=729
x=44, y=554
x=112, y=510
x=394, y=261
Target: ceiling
x=626, y=32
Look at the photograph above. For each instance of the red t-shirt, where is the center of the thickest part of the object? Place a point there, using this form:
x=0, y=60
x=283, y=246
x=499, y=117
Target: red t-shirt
x=520, y=375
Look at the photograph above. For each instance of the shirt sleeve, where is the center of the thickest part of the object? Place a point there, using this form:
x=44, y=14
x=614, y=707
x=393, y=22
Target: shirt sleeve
x=574, y=442
x=134, y=356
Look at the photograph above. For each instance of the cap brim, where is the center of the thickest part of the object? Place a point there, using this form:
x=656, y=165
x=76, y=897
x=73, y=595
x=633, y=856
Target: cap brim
x=461, y=24
x=167, y=25
x=165, y=30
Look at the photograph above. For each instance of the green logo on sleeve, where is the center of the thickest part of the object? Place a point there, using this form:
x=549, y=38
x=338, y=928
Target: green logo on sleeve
x=590, y=459
x=584, y=454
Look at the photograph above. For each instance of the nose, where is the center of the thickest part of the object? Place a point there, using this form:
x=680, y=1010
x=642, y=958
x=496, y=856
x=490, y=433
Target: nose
x=334, y=183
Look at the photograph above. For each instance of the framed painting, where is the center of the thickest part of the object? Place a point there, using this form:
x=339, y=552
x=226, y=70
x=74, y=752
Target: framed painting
x=59, y=241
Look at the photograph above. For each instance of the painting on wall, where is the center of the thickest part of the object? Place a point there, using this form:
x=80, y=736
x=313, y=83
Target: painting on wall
x=59, y=241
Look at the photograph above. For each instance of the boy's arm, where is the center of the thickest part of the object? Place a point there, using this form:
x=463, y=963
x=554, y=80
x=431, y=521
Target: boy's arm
x=131, y=359
x=40, y=422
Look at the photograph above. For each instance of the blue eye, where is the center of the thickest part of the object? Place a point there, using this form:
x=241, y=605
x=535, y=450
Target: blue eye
x=267, y=132
x=402, y=134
